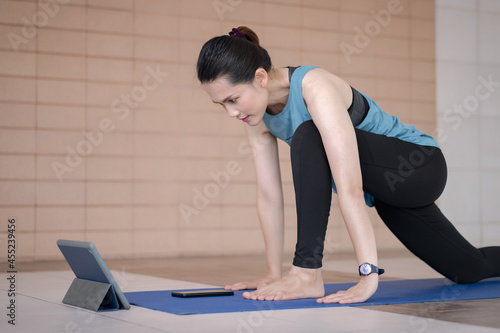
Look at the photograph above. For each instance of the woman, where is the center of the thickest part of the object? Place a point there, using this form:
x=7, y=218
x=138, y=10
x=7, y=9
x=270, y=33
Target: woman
x=339, y=138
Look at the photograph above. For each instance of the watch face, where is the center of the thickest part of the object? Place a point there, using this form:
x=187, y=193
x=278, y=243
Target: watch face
x=365, y=269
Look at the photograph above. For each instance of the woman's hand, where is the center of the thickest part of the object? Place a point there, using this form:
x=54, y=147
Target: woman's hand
x=255, y=284
x=359, y=293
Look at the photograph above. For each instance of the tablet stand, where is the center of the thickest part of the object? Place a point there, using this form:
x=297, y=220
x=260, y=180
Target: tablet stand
x=94, y=287
x=92, y=295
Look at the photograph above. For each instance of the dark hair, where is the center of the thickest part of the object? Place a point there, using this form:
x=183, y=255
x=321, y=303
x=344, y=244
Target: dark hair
x=234, y=56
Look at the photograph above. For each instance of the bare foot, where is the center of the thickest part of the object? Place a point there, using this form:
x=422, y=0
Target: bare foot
x=298, y=283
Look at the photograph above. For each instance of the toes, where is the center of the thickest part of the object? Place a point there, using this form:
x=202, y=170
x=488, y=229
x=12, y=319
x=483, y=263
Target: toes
x=263, y=296
x=273, y=293
x=251, y=296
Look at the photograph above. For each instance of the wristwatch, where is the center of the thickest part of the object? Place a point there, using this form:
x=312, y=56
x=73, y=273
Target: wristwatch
x=367, y=269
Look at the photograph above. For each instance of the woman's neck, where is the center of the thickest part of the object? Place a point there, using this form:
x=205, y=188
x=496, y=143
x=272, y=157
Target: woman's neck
x=278, y=87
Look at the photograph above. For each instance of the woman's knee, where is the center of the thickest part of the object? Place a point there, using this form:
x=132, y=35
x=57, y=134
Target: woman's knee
x=306, y=131
x=306, y=142
x=308, y=157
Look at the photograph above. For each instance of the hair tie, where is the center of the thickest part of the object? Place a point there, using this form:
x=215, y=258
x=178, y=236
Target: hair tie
x=237, y=33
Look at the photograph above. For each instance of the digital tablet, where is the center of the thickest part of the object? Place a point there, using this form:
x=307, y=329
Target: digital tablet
x=86, y=262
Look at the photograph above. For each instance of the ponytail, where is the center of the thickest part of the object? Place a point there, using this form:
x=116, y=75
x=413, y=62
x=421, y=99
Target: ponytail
x=236, y=55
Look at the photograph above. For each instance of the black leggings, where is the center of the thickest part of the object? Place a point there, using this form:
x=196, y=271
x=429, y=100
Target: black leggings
x=405, y=179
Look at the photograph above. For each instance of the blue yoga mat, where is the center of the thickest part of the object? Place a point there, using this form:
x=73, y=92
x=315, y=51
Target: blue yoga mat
x=389, y=292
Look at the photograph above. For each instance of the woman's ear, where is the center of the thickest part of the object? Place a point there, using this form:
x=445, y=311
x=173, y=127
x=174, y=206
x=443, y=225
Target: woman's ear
x=261, y=77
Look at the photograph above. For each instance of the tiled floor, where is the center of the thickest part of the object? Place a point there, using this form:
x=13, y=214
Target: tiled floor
x=41, y=287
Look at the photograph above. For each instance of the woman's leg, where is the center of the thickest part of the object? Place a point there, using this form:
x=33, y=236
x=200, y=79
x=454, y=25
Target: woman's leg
x=399, y=172
x=406, y=180
x=313, y=194
x=428, y=234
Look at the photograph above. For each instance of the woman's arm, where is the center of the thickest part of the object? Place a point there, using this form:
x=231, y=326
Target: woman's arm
x=269, y=202
x=325, y=96
x=269, y=194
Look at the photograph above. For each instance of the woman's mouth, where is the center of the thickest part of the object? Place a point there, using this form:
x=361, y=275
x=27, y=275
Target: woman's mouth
x=245, y=119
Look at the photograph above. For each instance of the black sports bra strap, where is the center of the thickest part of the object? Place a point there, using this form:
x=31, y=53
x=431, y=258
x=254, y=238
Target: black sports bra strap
x=290, y=72
x=359, y=107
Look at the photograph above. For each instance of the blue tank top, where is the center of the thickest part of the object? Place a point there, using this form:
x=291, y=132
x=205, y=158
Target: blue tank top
x=284, y=124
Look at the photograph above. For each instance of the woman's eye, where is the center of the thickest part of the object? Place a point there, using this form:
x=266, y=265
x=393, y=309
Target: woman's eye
x=232, y=100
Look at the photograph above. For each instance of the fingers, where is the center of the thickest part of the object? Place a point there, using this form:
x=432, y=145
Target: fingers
x=357, y=294
x=256, y=284
x=245, y=285
x=239, y=286
x=262, y=284
x=343, y=297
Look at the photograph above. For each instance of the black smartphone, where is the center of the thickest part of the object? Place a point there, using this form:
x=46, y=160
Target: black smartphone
x=202, y=293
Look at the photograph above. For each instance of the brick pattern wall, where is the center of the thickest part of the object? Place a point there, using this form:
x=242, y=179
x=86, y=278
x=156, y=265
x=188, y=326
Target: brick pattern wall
x=106, y=136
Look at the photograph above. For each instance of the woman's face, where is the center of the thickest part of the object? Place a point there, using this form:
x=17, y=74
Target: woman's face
x=246, y=102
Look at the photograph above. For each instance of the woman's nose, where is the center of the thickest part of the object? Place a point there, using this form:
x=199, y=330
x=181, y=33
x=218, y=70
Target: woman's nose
x=233, y=112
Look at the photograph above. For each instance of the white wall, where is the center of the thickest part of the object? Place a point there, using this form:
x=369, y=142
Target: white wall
x=467, y=55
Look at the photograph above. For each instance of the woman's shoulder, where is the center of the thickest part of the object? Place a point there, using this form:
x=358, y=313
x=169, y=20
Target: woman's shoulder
x=318, y=81
x=318, y=76
x=318, y=73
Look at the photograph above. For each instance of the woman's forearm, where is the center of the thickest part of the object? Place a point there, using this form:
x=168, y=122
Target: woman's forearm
x=271, y=217
x=357, y=220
